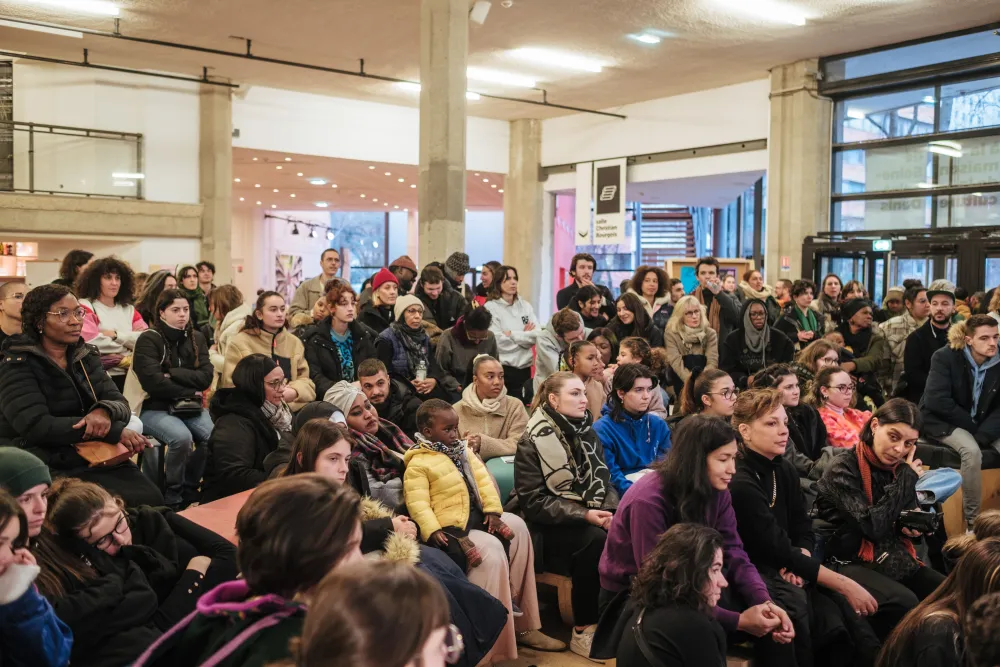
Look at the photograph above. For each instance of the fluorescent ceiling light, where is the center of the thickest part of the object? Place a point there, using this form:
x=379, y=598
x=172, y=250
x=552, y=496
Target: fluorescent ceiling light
x=322, y=204
x=559, y=59
x=127, y=175
x=646, y=38
x=412, y=87
x=947, y=148
x=42, y=28
x=856, y=114
x=502, y=78
x=317, y=181
x=82, y=6
x=768, y=10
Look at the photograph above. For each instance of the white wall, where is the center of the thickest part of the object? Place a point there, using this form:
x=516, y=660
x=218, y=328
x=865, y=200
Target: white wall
x=165, y=112
x=484, y=237
x=294, y=122
x=709, y=117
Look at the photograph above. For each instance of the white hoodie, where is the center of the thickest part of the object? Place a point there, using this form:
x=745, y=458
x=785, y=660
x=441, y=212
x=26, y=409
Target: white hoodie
x=515, y=349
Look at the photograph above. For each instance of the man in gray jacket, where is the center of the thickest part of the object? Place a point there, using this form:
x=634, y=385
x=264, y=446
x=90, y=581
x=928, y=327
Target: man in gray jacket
x=309, y=292
x=565, y=328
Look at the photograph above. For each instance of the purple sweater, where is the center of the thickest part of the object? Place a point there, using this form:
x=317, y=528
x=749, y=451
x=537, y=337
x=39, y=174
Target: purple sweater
x=641, y=519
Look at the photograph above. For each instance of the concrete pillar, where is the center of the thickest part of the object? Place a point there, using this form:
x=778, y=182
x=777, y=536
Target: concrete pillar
x=798, y=187
x=523, y=236
x=444, y=50
x=215, y=163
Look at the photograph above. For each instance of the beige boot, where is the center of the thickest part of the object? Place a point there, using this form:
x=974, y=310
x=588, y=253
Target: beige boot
x=540, y=642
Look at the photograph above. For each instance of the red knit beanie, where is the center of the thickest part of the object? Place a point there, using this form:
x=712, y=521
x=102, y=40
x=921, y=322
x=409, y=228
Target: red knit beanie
x=382, y=277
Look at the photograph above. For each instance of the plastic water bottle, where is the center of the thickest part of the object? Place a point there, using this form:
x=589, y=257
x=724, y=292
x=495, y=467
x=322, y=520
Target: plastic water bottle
x=420, y=371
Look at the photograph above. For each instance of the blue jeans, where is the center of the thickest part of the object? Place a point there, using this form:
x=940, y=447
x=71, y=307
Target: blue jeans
x=186, y=446
x=941, y=483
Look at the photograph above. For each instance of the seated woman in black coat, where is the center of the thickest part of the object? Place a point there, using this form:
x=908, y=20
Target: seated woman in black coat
x=633, y=320
x=676, y=592
x=58, y=402
x=754, y=345
x=861, y=496
x=249, y=419
x=179, y=559
x=336, y=345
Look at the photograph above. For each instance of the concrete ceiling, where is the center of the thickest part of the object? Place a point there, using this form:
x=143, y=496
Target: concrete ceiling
x=358, y=186
x=716, y=191
x=707, y=44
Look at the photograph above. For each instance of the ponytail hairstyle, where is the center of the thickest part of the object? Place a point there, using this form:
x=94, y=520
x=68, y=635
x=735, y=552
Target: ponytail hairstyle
x=553, y=384
x=822, y=381
x=771, y=377
x=624, y=380
x=684, y=473
x=255, y=324
x=699, y=384
x=893, y=411
x=574, y=351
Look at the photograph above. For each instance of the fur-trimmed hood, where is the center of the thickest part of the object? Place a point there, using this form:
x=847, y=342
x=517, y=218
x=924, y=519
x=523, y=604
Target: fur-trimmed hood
x=397, y=547
x=956, y=336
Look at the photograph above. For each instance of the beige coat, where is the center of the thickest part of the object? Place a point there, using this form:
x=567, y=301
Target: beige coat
x=676, y=349
x=284, y=344
x=499, y=431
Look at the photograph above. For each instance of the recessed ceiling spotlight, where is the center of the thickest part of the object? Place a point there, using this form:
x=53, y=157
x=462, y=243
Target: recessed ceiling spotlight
x=258, y=203
x=236, y=180
x=274, y=206
x=256, y=185
x=279, y=167
x=334, y=185
x=767, y=10
x=241, y=198
x=292, y=195
x=401, y=179
x=385, y=203
x=477, y=173
x=646, y=38
x=486, y=180
x=299, y=174
x=396, y=207
x=406, y=210
x=255, y=159
x=317, y=181
x=388, y=173
x=363, y=196
x=322, y=204
x=500, y=190
x=494, y=186
x=559, y=59
x=288, y=159
x=275, y=190
x=413, y=185
x=371, y=166
x=375, y=199
x=498, y=77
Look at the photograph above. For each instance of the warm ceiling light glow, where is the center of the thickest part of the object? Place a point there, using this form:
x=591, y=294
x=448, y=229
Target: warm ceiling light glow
x=396, y=207
x=256, y=185
x=278, y=167
x=255, y=159
x=502, y=78
x=494, y=186
x=375, y=199
x=500, y=190
x=388, y=173
x=317, y=181
x=371, y=166
x=288, y=159
x=856, y=114
x=258, y=203
x=646, y=38
x=275, y=190
x=299, y=174
x=486, y=180
x=292, y=195
x=768, y=10
x=363, y=196
x=334, y=185
x=82, y=6
x=322, y=204
x=477, y=173
x=413, y=185
x=406, y=210
x=62, y=32
x=401, y=179
x=236, y=180
x=125, y=174
x=241, y=198
x=385, y=203
x=274, y=206
x=413, y=87
x=557, y=59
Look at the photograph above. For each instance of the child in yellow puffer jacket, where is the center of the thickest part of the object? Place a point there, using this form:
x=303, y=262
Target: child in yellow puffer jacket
x=447, y=489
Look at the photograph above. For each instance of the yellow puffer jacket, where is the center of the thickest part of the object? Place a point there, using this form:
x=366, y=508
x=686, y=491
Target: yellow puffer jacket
x=436, y=494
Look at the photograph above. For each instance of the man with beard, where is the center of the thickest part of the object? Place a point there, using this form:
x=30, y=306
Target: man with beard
x=897, y=329
x=393, y=400
x=11, y=298
x=581, y=269
x=924, y=342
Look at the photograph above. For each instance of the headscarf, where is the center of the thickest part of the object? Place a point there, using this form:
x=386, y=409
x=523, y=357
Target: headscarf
x=342, y=395
x=866, y=460
x=755, y=341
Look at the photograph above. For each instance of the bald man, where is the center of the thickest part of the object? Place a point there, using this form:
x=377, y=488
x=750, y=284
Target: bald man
x=11, y=298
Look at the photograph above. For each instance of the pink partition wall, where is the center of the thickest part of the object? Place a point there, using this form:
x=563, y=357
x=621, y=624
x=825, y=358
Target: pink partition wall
x=564, y=245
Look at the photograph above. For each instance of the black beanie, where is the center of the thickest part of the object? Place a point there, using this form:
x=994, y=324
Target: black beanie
x=21, y=470
x=851, y=307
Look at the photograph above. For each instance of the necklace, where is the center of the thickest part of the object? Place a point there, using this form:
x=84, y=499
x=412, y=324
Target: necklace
x=774, y=486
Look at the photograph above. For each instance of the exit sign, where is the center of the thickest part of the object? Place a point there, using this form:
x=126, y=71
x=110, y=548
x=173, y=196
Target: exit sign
x=882, y=245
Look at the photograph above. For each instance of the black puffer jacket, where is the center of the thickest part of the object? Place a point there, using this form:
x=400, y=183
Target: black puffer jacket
x=376, y=318
x=734, y=358
x=40, y=403
x=325, y=367
x=401, y=406
x=171, y=363
x=445, y=310
x=241, y=439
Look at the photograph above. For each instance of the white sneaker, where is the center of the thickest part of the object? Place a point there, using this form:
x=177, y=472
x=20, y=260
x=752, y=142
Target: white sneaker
x=581, y=642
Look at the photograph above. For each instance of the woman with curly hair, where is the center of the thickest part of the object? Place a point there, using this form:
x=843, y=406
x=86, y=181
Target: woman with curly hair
x=58, y=402
x=652, y=285
x=676, y=592
x=112, y=324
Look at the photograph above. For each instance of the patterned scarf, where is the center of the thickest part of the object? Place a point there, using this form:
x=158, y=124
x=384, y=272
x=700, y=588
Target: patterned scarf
x=385, y=461
x=567, y=452
x=458, y=457
x=345, y=350
x=279, y=416
x=867, y=459
x=415, y=344
x=714, y=311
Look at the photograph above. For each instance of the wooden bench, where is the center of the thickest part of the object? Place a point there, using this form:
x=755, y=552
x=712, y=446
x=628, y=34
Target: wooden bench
x=564, y=587
x=954, y=518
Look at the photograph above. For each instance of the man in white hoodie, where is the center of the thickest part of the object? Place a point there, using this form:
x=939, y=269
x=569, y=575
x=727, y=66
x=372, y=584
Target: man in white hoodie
x=565, y=328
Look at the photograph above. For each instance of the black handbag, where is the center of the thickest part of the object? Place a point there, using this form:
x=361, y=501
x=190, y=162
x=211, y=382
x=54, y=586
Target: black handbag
x=185, y=407
x=643, y=645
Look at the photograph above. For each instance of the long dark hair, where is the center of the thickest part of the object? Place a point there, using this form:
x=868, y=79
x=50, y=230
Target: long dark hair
x=640, y=322
x=608, y=335
x=699, y=384
x=684, y=474
x=71, y=264
x=977, y=574
x=10, y=510
x=313, y=438
x=146, y=301
x=166, y=298
x=771, y=377
x=88, y=283
x=623, y=380
x=499, y=276
x=676, y=571
x=893, y=411
x=37, y=303
x=254, y=323
x=249, y=374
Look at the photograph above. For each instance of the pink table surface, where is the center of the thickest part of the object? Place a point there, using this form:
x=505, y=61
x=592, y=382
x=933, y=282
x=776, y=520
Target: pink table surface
x=219, y=516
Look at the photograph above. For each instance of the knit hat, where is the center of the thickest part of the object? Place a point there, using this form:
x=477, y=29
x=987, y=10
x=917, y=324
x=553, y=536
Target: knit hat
x=342, y=395
x=21, y=470
x=457, y=265
x=382, y=277
x=404, y=302
x=851, y=308
x=404, y=261
x=941, y=287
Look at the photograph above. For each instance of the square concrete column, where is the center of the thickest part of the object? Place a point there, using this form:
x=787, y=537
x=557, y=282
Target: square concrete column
x=444, y=50
x=798, y=187
x=522, y=207
x=215, y=162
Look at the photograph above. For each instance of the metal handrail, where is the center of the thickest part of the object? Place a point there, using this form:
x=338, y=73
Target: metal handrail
x=71, y=131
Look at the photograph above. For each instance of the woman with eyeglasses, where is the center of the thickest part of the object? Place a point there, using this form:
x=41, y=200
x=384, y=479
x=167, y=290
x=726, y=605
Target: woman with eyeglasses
x=833, y=394
x=710, y=392
x=58, y=402
x=405, y=349
x=754, y=345
x=691, y=485
x=862, y=497
x=265, y=331
x=291, y=532
x=689, y=341
x=336, y=345
x=179, y=559
x=112, y=324
x=250, y=418
x=813, y=358
x=355, y=604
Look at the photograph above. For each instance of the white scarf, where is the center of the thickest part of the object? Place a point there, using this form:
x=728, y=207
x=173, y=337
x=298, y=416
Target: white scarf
x=750, y=292
x=487, y=407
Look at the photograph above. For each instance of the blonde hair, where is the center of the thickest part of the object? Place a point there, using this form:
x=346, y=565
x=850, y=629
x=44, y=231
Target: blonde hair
x=754, y=404
x=676, y=321
x=553, y=384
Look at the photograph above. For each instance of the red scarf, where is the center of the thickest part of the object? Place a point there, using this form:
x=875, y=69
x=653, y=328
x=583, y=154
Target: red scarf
x=867, y=459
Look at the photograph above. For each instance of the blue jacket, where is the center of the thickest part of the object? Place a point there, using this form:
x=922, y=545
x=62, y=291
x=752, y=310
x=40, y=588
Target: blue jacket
x=31, y=635
x=631, y=444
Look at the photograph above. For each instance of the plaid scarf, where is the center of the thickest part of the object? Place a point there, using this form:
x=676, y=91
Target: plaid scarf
x=385, y=460
x=867, y=459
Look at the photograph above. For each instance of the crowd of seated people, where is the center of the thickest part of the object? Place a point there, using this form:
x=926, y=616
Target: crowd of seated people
x=736, y=465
